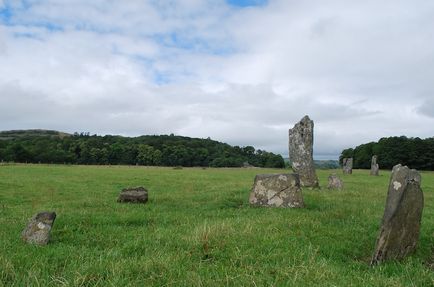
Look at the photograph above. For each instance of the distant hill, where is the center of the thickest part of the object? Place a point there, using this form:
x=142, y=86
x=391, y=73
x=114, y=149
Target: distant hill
x=47, y=146
x=14, y=134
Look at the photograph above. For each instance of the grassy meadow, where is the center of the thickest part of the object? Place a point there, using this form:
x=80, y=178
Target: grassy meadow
x=198, y=230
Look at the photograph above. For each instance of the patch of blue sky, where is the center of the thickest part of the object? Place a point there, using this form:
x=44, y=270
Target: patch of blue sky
x=193, y=44
x=247, y=3
x=26, y=35
x=96, y=29
x=5, y=15
x=43, y=24
x=159, y=77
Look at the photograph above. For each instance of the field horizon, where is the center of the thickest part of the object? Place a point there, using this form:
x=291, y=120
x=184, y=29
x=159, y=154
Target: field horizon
x=198, y=229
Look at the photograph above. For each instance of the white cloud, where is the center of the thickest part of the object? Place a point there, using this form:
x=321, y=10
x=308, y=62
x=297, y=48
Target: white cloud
x=201, y=68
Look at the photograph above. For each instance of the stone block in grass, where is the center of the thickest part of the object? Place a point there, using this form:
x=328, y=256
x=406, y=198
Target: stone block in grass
x=134, y=195
x=39, y=227
x=277, y=190
x=335, y=182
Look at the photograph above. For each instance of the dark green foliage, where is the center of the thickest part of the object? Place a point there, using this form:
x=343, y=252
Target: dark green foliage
x=414, y=152
x=169, y=150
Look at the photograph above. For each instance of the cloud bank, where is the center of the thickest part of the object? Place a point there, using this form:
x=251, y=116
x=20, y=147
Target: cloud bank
x=238, y=71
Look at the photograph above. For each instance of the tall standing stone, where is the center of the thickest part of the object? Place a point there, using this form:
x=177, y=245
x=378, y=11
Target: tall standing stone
x=374, y=166
x=347, y=165
x=400, y=226
x=277, y=190
x=301, y=152
x=39, y=227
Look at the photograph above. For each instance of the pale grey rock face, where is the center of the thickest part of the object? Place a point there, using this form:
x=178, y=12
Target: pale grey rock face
x=374, y=166
x=301, y=152
x=277, y=190
x=335, y=182
x=400, y=226
x=39, y=227
x=133, y=195
x=347, y=165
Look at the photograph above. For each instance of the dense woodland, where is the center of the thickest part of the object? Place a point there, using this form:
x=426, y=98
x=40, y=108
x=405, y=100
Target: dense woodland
x=414, y=152
x=37, y=146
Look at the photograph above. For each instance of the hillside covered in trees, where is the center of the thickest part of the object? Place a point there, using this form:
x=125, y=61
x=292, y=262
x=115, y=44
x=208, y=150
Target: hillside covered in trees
x=42, y=146
x=414, y=152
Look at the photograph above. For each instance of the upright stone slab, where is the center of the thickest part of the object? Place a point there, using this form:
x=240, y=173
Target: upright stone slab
x=38, y=228
x=374, y=166
x=400, y=226
x=277, y=190
x=335, y=182
x=301, y=151
x=347, y=165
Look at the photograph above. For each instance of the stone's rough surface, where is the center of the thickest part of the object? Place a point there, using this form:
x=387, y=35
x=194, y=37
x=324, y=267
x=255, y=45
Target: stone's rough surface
x=278, y=190
x=39, y=227
x=347, y=165
x=400, y=226
x=374, y=166
x=301, y=151
x=335, y=182
x=135, y=195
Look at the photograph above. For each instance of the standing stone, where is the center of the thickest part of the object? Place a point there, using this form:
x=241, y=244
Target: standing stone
x=374, y=166
x=400, y=226
x=278, y=190
x=335, y=182
x=38, y=228
x=301, y=151
x=134, y=195
x=347, y=165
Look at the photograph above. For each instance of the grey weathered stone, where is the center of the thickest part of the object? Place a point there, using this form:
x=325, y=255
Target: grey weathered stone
x=335, y=182
x=246, y=164
x=347, y=165
x=39, y=227
x=374, y=166
x=400, y=226
x=134, y=195
x=301, y=151
x=278, y=190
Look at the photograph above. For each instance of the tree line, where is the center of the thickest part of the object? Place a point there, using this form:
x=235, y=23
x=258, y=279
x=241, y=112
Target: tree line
x=414, y=152
x=152, y=150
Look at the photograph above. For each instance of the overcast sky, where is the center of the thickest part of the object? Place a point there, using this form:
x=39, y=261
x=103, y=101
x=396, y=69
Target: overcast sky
x=241, y=72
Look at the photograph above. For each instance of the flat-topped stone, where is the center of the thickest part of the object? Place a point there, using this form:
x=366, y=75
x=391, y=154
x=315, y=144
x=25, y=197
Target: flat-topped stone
x=134, y=195
x=277, y=190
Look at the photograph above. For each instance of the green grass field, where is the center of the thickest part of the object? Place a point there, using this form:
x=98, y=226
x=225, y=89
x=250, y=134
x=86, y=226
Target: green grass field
x=198, y=230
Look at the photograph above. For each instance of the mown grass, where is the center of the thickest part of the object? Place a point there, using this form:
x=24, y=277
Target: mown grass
x=198, y=230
